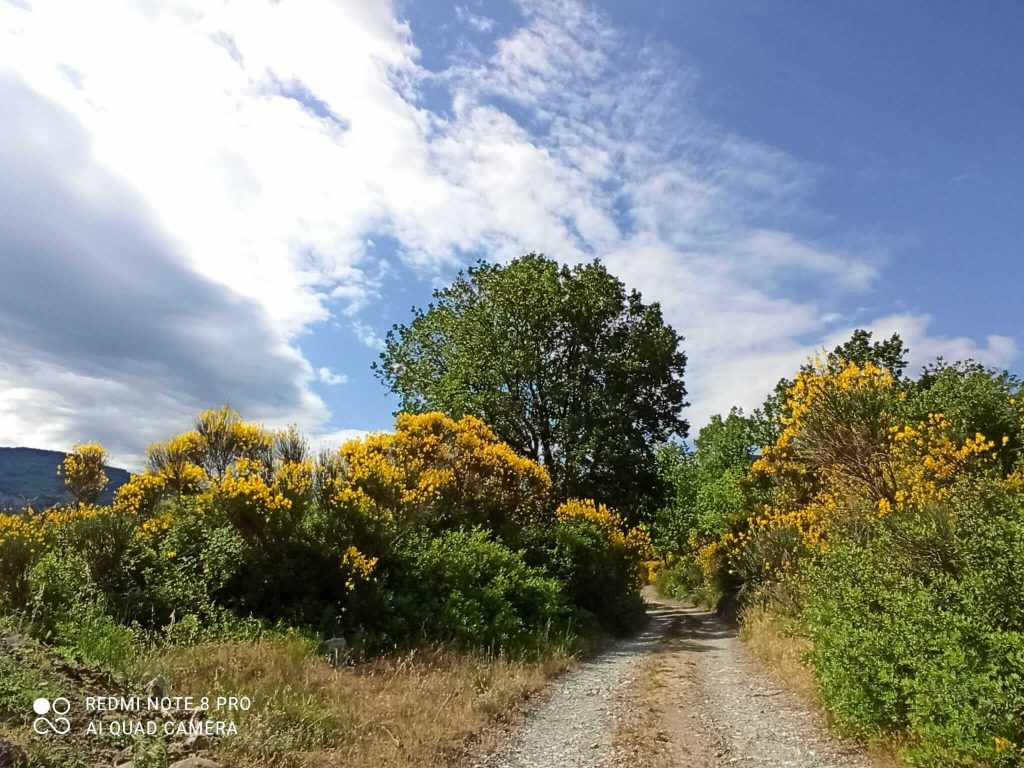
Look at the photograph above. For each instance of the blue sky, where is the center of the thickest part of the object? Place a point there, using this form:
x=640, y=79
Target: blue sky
x=234, y=202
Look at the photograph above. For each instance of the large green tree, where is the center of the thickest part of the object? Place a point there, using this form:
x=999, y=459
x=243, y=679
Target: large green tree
x=568, y=367
x=704, y=486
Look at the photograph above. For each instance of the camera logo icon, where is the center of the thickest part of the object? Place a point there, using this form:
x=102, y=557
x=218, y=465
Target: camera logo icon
x=60, y=724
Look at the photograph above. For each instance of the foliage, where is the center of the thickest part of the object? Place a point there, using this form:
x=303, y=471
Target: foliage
x=918, y=627
x=435, y=473
x=706, y=485
x=467, y=588
x=569, y=368
x=397, y=538
x=601, y=561
x=83, y=472
x=886, y=516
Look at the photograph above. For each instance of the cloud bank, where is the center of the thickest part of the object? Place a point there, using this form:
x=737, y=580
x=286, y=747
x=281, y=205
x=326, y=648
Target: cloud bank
x=191, y=187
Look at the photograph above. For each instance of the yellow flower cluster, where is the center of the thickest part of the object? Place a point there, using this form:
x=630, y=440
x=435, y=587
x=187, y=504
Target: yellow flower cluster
x=21, y=542
x=155, y=526
x=708, y=558
x=294, y=481
x=360, y=567
x=433, y=467
x=83, y=471
x=927, y=460
x=179, y=463
x=140, y=494
x=20, y=531
x=250, y=440
x=61, y=517
x=250, y=501
x=819, y=389
x=636, y=542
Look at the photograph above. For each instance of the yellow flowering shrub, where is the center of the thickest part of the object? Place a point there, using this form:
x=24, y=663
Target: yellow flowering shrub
x=601, y=560
x=842, y=457
x=179, y=462
x=252, y=505
x=141, y=493
x=927, y=460
x=21, y=544
x=439, y=472
x=294, y=481
x=358, y=566
x=83, y=472
x=225, y=439
x=832, y=451
x=635, y=541
x=833, y=428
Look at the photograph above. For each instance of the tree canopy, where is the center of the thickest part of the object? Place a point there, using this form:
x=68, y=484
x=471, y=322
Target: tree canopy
x=569, y=368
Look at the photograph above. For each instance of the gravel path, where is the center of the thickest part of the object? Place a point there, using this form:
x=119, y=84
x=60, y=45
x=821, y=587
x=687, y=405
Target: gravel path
x=758, y=723
x=712, y=706
x=569, y=729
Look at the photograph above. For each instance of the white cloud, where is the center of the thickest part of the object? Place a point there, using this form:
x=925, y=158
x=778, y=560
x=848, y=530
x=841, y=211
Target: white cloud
x=477, y=21
x=367, y=335
x=326, y=376
x=248, y=151
x=997, y=351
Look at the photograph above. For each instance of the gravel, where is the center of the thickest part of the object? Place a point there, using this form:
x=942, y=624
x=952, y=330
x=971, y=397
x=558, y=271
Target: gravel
x=728, y=704
x=760, y=723
x=570, y=728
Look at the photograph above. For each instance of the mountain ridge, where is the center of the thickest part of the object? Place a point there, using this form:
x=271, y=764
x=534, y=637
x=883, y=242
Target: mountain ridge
x=28, y=477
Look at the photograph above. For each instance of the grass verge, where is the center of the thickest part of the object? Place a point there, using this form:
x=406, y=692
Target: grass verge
x=414, y=709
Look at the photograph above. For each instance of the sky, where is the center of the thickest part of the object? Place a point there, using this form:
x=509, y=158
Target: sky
x=208, y=203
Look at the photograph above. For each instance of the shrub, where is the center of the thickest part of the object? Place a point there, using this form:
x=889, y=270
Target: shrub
x=101, y=535
x=918, y=628
x=601, y=562
x=437, y=473
x=230, y=518
x=21, y=545
x=60, y=589
x=185, y=557
x=83, y=472
x=467, y=588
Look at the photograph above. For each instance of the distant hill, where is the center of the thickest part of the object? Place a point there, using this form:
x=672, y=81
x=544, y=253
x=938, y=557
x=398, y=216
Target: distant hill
x=29, y=476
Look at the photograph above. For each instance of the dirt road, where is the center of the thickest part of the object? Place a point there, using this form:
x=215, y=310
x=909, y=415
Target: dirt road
x=684, y=693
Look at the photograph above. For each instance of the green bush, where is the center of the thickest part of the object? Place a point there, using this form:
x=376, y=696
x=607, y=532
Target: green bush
x=180, y=567
x=464, y=587
x=599, y=575
x=684, y=580
x=99, y=639
x=918, y=630
x=61, y=589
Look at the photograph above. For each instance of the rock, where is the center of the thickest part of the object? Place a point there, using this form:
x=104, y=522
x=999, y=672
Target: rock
x=195, y=762
x=11, y=641
x=197, y=743
x=157, y=687
x=11, y=755
x=337, y=649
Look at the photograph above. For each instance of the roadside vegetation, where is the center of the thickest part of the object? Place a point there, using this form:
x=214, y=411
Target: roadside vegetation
x=380, y=603
x=875, y=520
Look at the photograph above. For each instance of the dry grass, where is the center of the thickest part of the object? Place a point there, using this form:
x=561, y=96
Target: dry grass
x=777, y=643
x=418, y=709
x=639, y=737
